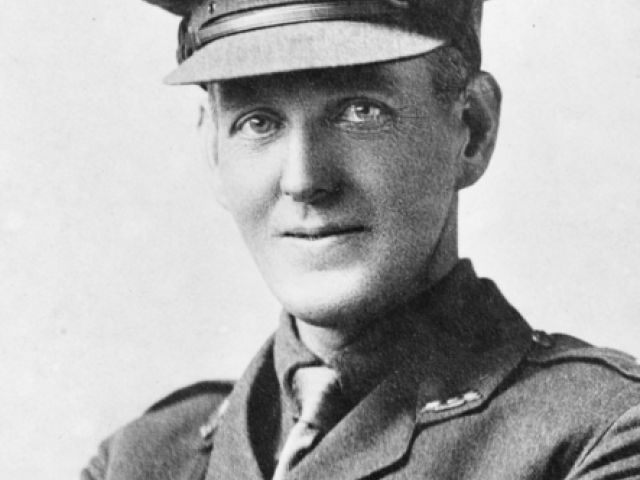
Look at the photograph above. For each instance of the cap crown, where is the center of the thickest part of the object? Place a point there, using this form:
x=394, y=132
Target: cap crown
x=206, y=21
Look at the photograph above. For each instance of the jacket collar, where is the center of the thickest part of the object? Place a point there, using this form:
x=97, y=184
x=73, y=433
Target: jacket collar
x=481, y=339
x=467, y=341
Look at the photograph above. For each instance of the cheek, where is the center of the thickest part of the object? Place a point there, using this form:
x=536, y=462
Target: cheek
x=413, y=167
x=248, y=185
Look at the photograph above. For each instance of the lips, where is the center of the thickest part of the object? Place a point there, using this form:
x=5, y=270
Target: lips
x=326, y=231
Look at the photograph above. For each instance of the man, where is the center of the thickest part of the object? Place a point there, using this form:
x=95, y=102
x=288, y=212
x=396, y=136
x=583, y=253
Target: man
x=341, y=133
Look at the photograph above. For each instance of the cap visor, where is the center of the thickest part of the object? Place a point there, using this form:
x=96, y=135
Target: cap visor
x=300, y=46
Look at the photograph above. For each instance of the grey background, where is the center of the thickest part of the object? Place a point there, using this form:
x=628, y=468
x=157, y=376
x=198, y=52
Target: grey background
x=120, y=279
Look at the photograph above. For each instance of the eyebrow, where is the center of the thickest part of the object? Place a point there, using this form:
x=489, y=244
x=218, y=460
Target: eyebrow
x=365, y=78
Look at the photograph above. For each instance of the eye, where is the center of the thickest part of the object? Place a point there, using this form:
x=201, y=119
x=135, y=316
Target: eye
x=257, y=125
x=364, y=115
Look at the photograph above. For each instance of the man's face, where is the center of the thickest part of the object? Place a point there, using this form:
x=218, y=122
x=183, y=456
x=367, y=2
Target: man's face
x=341, y=182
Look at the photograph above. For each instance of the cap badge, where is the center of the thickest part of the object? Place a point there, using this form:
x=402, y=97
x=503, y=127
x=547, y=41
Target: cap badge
x=451, y=403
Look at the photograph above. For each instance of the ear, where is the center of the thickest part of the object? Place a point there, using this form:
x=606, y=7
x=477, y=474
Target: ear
x=481, y=117
x=208, y=133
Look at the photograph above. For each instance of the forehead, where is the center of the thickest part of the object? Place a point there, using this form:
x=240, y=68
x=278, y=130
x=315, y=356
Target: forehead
x=388, y=79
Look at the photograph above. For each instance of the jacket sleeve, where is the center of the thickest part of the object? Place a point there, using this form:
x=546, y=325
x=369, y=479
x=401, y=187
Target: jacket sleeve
x=615, y=454
x=165, y=439
x=97, y=467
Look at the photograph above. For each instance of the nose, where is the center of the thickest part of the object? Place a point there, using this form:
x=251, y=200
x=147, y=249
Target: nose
x=309, y=171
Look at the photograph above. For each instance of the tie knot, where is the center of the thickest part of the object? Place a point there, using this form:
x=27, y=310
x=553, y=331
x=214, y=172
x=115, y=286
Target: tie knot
x=317, y=390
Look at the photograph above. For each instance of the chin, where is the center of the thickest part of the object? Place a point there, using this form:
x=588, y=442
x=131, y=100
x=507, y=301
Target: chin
x=333, y=300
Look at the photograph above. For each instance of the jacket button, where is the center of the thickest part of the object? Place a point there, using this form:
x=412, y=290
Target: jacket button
x=455, y=402
x=451, y=403
x=432, y=406
x=206, y=430
x=542, y=339
x=400, y=3
x=472, y=396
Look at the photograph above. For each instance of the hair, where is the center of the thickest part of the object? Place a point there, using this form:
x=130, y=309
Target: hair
x=450, y=73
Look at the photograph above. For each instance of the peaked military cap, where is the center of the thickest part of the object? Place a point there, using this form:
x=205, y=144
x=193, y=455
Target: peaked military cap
x=225, y=39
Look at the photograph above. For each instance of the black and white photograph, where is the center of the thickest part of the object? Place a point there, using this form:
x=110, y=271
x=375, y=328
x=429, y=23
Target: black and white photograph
x=320, y=239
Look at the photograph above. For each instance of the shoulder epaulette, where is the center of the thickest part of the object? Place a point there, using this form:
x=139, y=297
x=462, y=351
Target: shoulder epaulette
x=219, y=388
x=557, y=348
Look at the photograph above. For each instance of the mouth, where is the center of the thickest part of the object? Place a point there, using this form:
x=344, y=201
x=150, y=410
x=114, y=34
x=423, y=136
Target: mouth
x=329, y=231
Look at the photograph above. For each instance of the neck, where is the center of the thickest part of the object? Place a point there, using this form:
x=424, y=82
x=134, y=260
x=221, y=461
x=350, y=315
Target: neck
x=322, y=341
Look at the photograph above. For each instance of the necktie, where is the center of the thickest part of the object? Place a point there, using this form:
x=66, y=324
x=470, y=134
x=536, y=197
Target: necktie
x=321, y=406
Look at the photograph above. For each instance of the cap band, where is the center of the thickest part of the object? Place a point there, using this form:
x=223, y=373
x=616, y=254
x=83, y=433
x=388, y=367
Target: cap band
x=272, y=16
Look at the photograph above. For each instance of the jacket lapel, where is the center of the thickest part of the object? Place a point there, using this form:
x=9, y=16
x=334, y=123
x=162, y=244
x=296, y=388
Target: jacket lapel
x=481, y=339
x=469, y=375
x=232, y=455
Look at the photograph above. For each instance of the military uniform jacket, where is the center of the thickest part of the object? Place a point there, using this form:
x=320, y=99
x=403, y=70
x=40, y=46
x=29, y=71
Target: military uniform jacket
x=495, y=401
